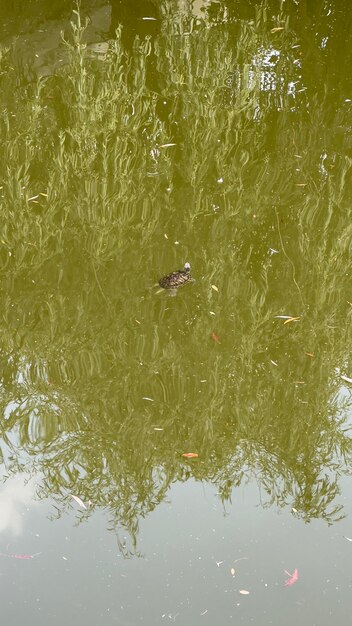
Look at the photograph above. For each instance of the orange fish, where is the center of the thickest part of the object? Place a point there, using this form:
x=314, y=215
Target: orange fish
x=215, y=337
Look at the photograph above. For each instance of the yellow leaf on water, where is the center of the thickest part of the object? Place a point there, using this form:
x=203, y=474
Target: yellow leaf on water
x=291, y=319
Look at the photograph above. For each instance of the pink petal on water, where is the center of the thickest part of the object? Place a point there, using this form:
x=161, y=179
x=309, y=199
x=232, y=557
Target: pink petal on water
x=293, y=578
x=22, y=556
x=19, y=556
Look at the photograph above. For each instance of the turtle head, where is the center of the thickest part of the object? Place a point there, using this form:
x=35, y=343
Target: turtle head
x=187, y=267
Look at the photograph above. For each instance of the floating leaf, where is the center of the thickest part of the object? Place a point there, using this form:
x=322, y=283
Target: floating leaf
x=292, y=319
x=19, y=556
x=214, y=287
x=293, y=578
x=244, y=592
x=190, y=455
x=215, y=337
x=79, y=501
x=22, y=556
x=346, y=379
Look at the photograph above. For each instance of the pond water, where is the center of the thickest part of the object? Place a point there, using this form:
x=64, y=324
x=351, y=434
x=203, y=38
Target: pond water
x=177, y=459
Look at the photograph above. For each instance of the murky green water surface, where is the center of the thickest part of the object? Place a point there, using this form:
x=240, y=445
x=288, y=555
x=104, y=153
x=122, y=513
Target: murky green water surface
x=150, y=135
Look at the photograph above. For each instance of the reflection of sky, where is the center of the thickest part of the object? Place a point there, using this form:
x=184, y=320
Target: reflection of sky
x=344, y=396
x=15, y=495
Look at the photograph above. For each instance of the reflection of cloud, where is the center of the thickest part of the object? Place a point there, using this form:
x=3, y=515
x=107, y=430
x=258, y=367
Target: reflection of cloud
x=16, y=494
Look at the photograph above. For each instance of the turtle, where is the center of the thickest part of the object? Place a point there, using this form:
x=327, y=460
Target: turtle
x=177, y=279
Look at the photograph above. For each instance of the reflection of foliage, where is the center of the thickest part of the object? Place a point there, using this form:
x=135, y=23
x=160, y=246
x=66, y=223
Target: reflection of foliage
x=90, y=186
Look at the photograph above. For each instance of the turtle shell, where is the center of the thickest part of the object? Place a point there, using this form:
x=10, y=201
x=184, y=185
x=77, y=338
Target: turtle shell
x=176, y=279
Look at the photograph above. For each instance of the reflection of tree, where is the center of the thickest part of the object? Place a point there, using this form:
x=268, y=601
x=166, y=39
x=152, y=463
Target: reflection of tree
x=140, y=18
x=20, y=16
x=84, y=340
